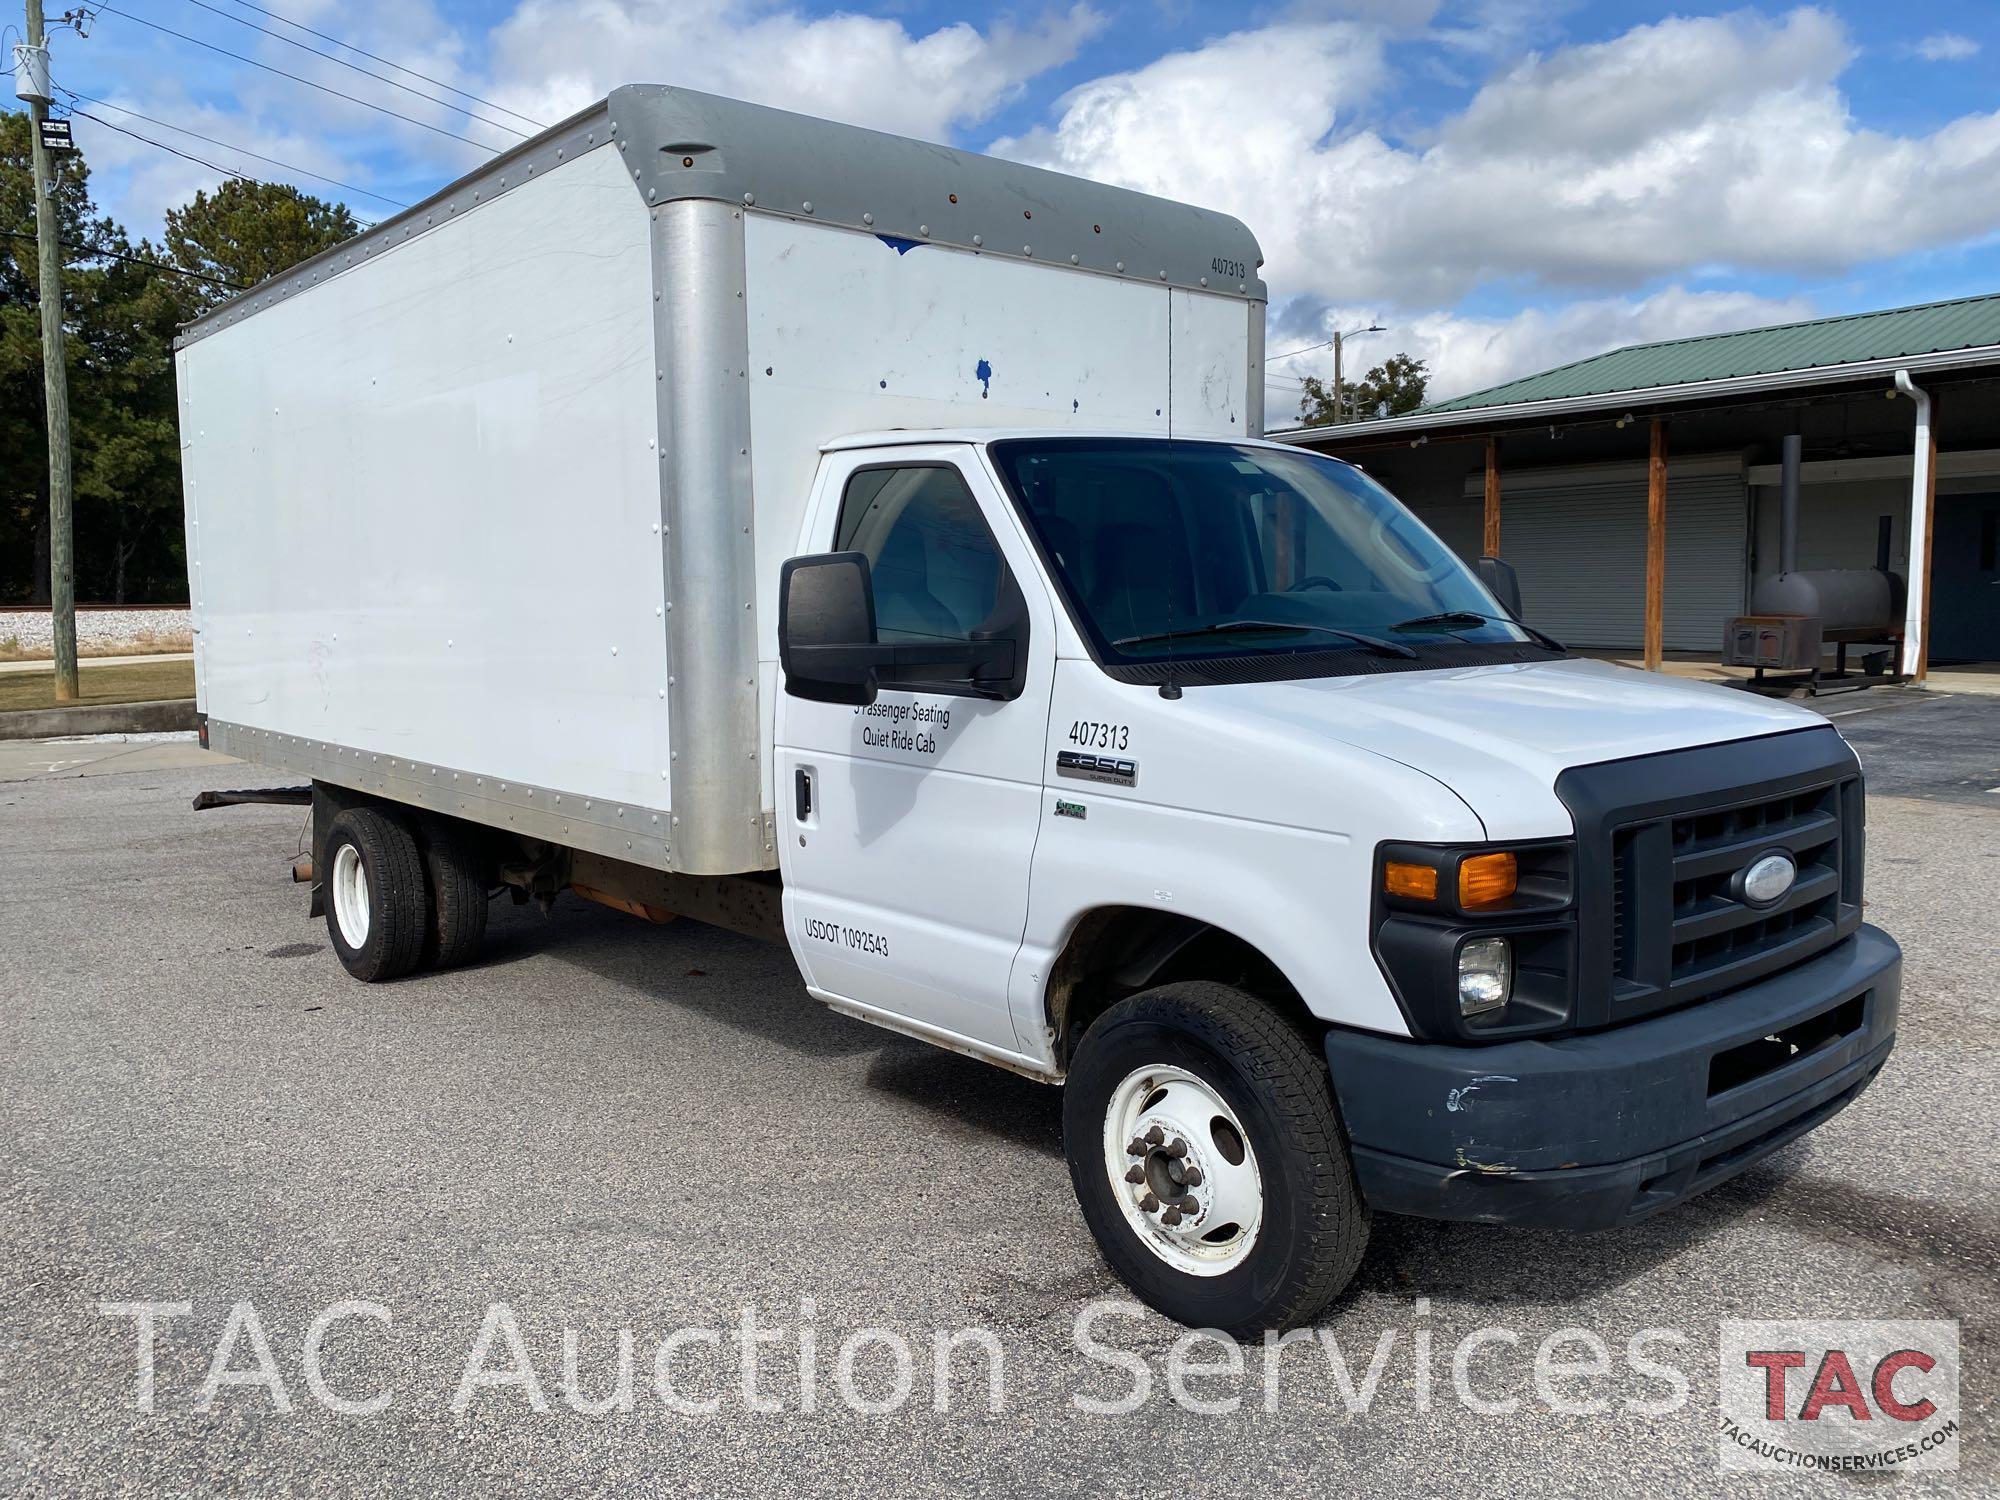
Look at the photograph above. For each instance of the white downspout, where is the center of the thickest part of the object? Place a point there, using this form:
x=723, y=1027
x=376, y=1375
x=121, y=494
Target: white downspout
x=1920, y=485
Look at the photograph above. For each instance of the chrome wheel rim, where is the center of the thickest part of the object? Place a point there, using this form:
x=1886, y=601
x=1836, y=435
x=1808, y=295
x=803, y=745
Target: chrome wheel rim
x=1182, y=1170
x=350, y=895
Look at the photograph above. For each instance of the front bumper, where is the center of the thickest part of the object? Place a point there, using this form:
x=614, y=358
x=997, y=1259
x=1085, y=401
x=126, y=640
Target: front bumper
x=1585, y=1132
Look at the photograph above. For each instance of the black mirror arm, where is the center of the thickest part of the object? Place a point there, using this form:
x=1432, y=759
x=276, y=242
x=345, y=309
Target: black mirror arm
x=993, y=658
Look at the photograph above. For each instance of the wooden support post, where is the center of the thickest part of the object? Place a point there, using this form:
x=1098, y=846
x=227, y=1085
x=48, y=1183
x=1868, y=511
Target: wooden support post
x=1930, y=537
x=1656, y=546
x=1491, y=544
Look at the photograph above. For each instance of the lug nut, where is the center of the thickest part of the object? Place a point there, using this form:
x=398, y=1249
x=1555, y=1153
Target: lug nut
x=1191, y=1208
x=1193, y=1177
x=1155, y=1136
x=1136, y=1175
x=1171, y=1217
x=1178, y=1149
x=1137, y=1148
x=1149, y=1203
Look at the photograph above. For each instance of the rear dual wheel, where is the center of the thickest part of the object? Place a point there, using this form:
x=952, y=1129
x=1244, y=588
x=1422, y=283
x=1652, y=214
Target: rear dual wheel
x=400, y=898
x=1209, y=1159
x=377, y=906
x=459, y=874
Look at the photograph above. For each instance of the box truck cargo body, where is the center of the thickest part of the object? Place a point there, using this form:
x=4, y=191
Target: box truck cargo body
x=871, y=546
x=503, y=485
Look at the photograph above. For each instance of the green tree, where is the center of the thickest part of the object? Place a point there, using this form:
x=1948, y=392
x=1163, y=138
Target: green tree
x=24, y=461
x=244, y=232
x=122, y=305
x=1393, y=387
x=126, y=432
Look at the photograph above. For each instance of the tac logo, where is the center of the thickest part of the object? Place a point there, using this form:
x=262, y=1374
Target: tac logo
x=1839, y=1396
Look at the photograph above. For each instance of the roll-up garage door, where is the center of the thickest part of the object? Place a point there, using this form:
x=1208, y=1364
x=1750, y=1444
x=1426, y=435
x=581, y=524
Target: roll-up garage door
x=1578, y=541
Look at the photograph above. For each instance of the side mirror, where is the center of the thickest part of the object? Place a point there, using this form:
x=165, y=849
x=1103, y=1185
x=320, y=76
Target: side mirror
x=828, y=648
x=826, y=628
x=1501, y=583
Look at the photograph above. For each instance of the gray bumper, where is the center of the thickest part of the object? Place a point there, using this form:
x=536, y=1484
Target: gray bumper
x=1589, y=1131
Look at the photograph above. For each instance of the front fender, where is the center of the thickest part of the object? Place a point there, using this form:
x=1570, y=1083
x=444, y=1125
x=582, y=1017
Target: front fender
x=1298, y=896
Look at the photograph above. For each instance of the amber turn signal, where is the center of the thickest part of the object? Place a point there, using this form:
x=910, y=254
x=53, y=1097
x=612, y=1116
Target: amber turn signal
x=1416, y=882
x=1486, y=878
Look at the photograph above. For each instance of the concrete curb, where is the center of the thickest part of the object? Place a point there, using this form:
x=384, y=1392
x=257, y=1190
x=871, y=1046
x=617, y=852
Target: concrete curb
x=98, y=718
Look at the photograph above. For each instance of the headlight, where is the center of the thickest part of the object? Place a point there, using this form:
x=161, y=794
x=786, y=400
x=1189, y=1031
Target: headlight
x=1478, y=941
x=1485, y=975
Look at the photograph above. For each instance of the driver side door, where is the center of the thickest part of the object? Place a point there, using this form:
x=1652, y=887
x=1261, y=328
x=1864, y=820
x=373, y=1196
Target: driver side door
x=909, y=824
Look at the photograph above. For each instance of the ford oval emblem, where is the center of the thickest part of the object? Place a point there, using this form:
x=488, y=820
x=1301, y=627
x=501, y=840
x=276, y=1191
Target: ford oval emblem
x=1768, y=878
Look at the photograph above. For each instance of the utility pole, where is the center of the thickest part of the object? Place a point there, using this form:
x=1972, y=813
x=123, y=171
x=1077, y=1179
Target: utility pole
x=31, y=75
x=1339, y=398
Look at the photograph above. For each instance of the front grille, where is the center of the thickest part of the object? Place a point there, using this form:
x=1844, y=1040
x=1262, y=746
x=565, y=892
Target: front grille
x=1713, y=931
x=1662, y=842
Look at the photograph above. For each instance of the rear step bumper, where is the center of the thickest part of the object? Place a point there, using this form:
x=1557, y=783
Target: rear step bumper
x=1587, y=1132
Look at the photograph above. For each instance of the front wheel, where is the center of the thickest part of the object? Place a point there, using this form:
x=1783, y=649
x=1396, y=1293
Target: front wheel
x=1209, y=1160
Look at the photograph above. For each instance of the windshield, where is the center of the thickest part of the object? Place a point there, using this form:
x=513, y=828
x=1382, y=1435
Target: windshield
x=1206, y=549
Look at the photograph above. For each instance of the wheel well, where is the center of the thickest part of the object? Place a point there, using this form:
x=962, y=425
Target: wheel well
x=1118, y=951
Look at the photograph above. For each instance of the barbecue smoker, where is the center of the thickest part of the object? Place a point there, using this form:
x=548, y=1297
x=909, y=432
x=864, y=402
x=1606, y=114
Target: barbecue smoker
x=1794, y=616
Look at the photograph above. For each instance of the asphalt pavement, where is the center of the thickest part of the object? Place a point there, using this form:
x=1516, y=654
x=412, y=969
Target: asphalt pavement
x=612, y=1128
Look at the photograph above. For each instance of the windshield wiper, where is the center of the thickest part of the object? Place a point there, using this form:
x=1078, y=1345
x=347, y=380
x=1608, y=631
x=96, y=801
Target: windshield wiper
x=1470, y=617
x=1373, y=643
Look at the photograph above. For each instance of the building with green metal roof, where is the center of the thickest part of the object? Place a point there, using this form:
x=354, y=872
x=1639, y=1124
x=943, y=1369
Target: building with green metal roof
x=1556, y=463
x=1808, y=348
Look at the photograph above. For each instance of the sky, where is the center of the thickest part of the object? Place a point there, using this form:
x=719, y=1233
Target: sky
x=1503, y=185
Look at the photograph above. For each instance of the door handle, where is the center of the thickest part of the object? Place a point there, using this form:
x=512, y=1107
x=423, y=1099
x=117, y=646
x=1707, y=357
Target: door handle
x=802, y=794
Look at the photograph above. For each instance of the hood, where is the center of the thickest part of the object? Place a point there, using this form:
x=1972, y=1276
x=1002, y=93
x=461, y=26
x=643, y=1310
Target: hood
x=1499, y=736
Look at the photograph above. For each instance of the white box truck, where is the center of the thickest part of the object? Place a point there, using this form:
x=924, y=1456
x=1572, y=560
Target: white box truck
x=871, y=546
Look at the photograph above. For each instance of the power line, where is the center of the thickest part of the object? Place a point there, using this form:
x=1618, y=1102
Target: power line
x=364, y=72
x=98, y=252
x=295, y=78
x=200, y=161
x=399, y=67
x=230, y=146
x=185, y=156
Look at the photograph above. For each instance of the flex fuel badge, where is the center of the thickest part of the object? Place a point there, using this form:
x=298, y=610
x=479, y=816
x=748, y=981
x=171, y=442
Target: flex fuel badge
x=1071, y=809
x=1102, y=768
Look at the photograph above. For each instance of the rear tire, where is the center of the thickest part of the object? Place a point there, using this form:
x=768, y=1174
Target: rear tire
x=377, y=907
x=459, y=870
x=1209, y=1159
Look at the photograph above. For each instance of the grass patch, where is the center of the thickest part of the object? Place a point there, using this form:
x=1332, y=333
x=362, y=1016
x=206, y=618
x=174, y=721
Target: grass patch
x=141, y=682
x=140, y=643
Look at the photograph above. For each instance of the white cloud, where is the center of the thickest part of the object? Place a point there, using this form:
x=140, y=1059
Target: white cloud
x=1674, y=153
x=547, y=59
x=1469, y=353
x=1719, y=142
x=553, y=56
x=137, y=183
x=1944, y=46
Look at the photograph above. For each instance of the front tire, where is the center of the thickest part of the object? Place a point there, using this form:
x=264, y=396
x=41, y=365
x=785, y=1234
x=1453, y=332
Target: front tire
x=1209, y=1159
x=377, y=907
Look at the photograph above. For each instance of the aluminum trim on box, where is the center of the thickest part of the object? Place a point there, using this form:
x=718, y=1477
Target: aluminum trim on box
x=690, y=144
x=640, y=835
x=707, y=526
x=748, y=155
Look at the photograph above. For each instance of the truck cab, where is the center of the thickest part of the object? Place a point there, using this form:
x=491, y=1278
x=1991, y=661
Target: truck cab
x=1114, y=759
